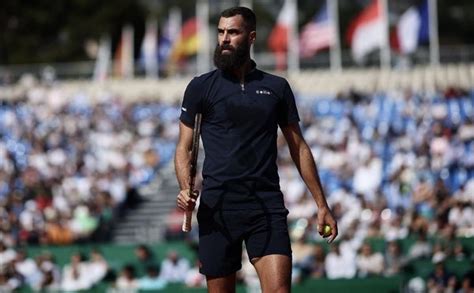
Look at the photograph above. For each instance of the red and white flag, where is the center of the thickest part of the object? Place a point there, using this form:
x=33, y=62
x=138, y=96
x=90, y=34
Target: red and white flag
x=279, y=36
x=367, y=31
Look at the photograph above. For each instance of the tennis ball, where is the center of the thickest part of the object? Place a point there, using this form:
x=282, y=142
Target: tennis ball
x=327, y=230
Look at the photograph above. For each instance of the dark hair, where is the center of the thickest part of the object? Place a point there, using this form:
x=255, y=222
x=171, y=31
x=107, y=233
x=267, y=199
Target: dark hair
x=247, y=14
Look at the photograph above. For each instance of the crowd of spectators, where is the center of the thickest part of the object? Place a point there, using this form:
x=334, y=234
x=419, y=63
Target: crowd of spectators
x=394, y=165
x=70, y=165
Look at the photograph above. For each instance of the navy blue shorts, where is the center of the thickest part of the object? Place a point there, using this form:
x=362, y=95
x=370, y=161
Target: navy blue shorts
x=221, y=234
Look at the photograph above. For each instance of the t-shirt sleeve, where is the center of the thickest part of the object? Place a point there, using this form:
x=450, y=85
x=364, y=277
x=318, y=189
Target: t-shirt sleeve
x=287, y=111
x=192, y=102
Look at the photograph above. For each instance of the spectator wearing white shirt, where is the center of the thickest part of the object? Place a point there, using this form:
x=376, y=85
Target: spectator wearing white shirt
x=369, y=263
x=28, y=269
x=7, y=255
x=339, y=265
x=97, y=267
x=174, y=268
x=75, y=275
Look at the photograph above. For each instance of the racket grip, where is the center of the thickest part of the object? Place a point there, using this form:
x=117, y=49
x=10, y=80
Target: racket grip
x=188, y=215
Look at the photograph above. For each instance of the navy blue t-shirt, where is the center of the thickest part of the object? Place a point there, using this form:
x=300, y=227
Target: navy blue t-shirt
x=239, y=134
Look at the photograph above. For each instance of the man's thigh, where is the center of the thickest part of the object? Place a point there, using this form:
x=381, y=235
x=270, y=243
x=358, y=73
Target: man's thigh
x=274, y=272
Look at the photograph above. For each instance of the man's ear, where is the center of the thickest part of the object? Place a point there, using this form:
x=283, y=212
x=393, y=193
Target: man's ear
x=252, y=37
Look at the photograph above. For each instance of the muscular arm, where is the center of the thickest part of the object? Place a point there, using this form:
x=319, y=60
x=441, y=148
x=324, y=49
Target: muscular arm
x=304, y=161
x=182, y=157
x=182, y=161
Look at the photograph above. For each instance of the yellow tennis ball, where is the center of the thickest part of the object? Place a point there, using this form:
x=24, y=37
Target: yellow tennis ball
x=327, y=230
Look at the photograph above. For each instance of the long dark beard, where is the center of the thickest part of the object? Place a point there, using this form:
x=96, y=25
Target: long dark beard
x=235, y=59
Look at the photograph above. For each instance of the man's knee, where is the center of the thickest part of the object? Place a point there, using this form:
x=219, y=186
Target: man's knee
x=283, y=287
x=221, y=284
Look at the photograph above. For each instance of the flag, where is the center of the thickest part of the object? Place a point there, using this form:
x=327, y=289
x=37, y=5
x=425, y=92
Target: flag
x=149, y=49
x=412, y=29
x=317, y=34
x=169, y=35
x=188, y=42
x=123, y=59
x=366, y=31
x=279, y=36
x=102, y=63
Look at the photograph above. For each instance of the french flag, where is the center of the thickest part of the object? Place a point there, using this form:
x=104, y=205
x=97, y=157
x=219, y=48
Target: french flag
x=317, y=34
x=412, y=29
x=367, y=31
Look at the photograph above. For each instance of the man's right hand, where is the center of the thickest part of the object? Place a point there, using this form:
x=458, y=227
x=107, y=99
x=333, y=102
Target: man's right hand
x=186, y=201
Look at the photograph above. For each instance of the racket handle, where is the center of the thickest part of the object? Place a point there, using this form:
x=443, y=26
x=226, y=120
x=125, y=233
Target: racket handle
x=188, y=216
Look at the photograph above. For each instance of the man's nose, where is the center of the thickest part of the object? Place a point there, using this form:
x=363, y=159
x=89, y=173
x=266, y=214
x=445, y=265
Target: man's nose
x=226, y=38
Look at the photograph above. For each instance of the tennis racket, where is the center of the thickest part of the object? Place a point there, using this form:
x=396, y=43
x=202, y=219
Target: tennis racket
x=193, y=167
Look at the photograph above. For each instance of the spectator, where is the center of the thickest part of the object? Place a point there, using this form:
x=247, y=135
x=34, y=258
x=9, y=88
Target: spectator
x=317, y=262
x=144, y=259
x=421, y=248
x=28, y=269
x=194, y=279
x=151, y=281
x=368, y=262
x=51, y=280
x=57, y=231
x=7, y=255
x=459, y=252
x=174, y=268
x=8, y=281
x=97, y=266
x=393, y=259
x=439, y=253
x=174, y=223
x=75, y=275
x=301, y=254
x=440, y=280
x=127, y=282
x=340, y=265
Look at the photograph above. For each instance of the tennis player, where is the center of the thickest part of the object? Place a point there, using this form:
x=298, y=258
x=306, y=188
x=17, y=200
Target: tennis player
x=242, y=108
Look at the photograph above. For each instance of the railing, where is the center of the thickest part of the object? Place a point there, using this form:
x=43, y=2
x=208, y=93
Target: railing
x=84, y=69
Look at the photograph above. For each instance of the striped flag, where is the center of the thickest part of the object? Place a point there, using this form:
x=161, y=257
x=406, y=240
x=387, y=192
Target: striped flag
x=188, y=44
x=280, y=35
x=169, y=35
x=366, y=32
x=412, y=29
x=318, y=34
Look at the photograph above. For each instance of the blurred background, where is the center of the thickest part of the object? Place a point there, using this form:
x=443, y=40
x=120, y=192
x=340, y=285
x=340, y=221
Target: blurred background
x=90, y=97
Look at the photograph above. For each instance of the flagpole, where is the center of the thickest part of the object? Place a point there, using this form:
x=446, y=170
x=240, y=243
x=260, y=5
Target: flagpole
x=102, y=64
x=127, y=66
x=434, y=41
x=293, y=45
x=385, y=50
x=203, y=57
x=335, y=51
x=150, y=48
x=248, y=4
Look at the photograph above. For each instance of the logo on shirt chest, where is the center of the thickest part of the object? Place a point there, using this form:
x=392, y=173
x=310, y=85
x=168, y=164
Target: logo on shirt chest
x=263, y=92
